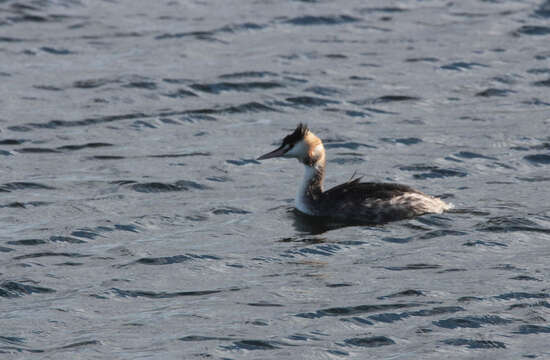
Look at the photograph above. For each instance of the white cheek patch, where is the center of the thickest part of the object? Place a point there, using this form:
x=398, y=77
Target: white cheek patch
x=298, y=151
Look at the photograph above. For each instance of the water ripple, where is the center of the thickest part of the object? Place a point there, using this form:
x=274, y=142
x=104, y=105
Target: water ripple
x=433, y=172
x=49, y=254
x=462, y=66
x=535, y=30
x=371, y=341
x=308, y=20
x=354, y=310
x=158, y=187
x=162, y=295
x=538, y=159
x=533, y=329
x=12, y=289
x=216, y=88
x=475, y=344
x=176, y=259
x=471, y=322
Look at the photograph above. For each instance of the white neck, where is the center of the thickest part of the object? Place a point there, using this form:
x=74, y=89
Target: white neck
x=310, y=188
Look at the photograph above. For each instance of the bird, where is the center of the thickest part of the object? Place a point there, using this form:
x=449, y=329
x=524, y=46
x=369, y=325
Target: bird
x=353, y=201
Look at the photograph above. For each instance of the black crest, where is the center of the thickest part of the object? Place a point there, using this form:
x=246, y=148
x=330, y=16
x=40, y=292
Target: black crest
x=297, y=135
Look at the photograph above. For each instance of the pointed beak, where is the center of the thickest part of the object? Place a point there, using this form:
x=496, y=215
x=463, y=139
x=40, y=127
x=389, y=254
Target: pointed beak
x=275, y=153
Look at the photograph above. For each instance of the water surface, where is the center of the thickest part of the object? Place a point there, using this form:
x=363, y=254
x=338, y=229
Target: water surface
x=137, y=224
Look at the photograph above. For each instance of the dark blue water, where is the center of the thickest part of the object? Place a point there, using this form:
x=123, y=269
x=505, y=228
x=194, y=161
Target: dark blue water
x=135, y=222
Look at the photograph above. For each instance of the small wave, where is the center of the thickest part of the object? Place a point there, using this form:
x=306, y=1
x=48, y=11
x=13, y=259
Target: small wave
x=355, y=310
x=17, y=204
x=521, y=296
x=536, y=30
x=433, y=171
x=204, y=338
x=532, y=329
x=264, y=304
x=157, y=187
x=536, y=101
x=310, y=101
x=195, y=153
x=180, y=93
x=462, y=66
x=219, y=178
x=410, y=292
x=324, y=90
x=6, y=249
x=422, y=59
x=85, y=233
x=10, y=39
x=69, y=263
x=393, y=317
x=538, y=159
x=20, y=185
x=250, y=344
x=392, y=98
x=475, y=344
x=472, y=155
x=524, y=278
x=322, y=250
x=37, y=150
x=413, y=267
x=57, y=51
x=12, y=141
x=404, y=141
x=146, y=85
x=202, y=35
x=342, y=161
x=27, y=242
x=49, y=254
x=511, y=224
x=162, y=294
x=81, y=343
x=12, y=289
x=14, y=340
x=226, y=210
x=309, y=20
x=19, y=128
x=371, y=341
x=384, y=9
x=242, y=162
x=425, y=236
x=490, y=92
x=93, y=83
x=246, y=108
x=543, y=10
x=216, y=88
x=83, y=146
x=248, y=74
x=484, y=243
x=347, y=145
x=209, y=34
x=471, y=322
x=47, y=87
x=176, y=259
x=107, y=157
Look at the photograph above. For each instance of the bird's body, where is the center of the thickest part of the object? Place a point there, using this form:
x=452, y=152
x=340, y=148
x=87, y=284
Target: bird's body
x=353, y=201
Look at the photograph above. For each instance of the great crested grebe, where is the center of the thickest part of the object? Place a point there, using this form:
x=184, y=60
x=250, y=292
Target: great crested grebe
x=353, y=201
